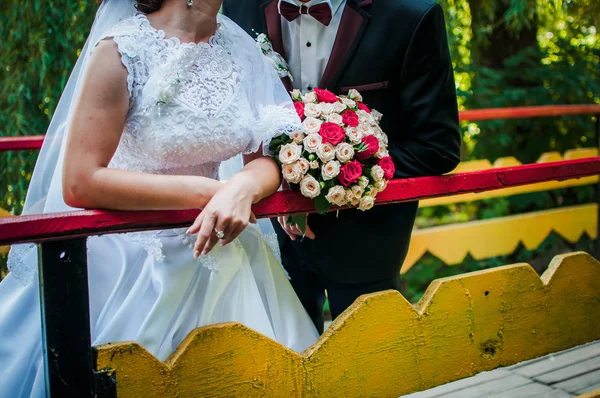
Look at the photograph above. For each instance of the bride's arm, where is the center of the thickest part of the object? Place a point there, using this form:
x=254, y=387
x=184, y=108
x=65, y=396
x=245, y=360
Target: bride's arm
x=98, y=120
x=230, y=209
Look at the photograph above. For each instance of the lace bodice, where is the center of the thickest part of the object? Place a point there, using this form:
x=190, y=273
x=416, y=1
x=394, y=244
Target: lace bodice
x=190, y=107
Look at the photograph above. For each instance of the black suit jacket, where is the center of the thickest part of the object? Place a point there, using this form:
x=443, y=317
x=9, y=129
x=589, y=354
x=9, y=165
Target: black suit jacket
x=395, y=52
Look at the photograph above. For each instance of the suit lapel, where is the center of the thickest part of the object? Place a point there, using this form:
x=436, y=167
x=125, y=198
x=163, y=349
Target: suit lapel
x=352, y=27
x=272, y=22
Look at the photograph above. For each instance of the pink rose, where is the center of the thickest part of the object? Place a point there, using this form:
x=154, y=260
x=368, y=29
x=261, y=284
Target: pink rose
x=299, y=109
x=389, y=169
x=371, y=147
x=350, y=118
x=350, y=173
x=363, y=107
x=326, y=96
x=332, y=133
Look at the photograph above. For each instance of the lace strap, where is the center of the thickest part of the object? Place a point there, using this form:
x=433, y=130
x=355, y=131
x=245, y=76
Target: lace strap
x=136, y=43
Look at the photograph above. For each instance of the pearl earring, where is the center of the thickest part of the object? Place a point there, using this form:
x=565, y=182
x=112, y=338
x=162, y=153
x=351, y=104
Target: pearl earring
x=190, y=3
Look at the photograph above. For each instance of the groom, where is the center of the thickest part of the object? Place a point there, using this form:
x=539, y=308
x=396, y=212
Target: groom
x=395, y=53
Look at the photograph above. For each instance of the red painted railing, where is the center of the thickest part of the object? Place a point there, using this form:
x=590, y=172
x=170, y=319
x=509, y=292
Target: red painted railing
x=47, y=227
x=529, y=112
x=35, y=142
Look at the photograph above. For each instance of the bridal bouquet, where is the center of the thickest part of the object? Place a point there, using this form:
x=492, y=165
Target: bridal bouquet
x=339, y=158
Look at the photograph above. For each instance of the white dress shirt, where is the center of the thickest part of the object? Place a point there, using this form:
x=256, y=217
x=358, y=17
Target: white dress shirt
x=308, y=43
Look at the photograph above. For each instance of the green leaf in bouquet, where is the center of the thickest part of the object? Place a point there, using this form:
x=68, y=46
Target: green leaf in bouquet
x=286, y=139
x=322, y=204
x=298, y=220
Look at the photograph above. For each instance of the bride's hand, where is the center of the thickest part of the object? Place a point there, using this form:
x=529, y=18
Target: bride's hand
x=227, y=214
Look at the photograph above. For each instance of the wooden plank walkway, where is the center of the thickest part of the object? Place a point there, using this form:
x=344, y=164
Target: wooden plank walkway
x=565, y=374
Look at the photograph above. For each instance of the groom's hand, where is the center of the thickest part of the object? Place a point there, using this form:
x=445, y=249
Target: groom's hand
x=293, y=231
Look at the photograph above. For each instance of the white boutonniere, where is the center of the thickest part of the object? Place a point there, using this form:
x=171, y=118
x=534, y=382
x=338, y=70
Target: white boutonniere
x=276, y=60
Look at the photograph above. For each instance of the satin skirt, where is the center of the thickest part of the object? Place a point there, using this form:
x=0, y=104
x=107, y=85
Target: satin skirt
x=148, y=288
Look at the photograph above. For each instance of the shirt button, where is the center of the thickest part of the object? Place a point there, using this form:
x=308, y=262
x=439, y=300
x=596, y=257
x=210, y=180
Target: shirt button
x=308, y=44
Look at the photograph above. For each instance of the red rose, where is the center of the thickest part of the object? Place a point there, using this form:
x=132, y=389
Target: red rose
x=332, y=133
x=350, y=173
x=389, y=169
x=326, y=96
x=371, y=147
x=363, y=107
x=350, y=118
x=299, y=109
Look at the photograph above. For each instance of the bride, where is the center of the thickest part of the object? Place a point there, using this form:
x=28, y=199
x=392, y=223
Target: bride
x=164, y=92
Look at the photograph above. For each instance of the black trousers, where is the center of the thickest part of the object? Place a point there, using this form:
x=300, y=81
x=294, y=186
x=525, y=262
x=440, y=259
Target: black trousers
x=354, y=253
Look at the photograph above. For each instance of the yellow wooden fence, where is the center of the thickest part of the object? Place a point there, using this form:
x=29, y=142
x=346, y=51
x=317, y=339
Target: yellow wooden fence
x=382, y=346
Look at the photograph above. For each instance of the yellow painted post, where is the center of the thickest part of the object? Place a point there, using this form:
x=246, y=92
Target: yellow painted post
x=382, y=346
x=4, y=213
x=593, y=394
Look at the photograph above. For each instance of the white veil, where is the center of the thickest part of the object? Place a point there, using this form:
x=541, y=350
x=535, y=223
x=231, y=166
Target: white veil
x=45, y=189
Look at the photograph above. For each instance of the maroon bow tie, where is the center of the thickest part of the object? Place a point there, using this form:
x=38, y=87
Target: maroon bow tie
x=320, y=12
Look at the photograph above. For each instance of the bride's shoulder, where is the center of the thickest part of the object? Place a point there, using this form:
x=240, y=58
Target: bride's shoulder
x=136, y=27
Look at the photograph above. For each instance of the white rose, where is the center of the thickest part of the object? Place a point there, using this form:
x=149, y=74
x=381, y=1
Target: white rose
x=338, y=107
x=289, y=153
x=355, y=95
x=296, y=95
x=292, y=173
x=326, y=152
x=298, y=137
x=358, y=191
x=310, y=187
x=326, y=108
x=382, y=152
x=376, y=115
x=365, y=117
x=363, y=182
x=344, y=152
x=354, y=135
x=372, y=192
x=336, y=196
x=377, y=173
x=304, y=164
x=310, y=98
x=365, y=129
x=381, y=185
x=312, y=142
x=311, y=125
x=330, y=170
x=314, y=164
x=350, y=198
x=312, y=110
x=348, y=102
x=381, y=136
x=335, y=118
x=366, y=203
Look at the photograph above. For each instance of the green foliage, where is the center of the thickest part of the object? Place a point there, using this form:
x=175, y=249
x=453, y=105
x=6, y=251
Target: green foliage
x=40, y=43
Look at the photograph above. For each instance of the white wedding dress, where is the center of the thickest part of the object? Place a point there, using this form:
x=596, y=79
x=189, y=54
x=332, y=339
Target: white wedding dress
x=188, y=113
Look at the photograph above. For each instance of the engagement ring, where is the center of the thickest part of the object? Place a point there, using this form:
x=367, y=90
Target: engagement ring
x=220, y=234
